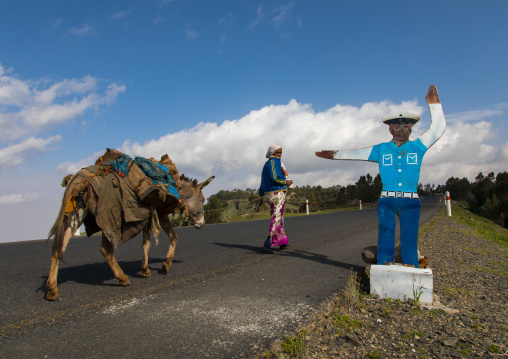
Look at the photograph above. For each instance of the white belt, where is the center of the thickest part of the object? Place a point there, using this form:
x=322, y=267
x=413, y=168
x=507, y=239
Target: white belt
x=399, y=194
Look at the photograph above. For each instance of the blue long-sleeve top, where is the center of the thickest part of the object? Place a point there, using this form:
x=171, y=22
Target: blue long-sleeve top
x=273, y=178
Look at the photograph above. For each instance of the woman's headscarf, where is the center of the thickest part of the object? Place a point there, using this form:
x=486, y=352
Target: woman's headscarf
x=271, y=150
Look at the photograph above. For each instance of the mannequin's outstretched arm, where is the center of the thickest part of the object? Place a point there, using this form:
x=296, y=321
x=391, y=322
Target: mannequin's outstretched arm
x=435, y=131
x=361, y=154
x=437, y=119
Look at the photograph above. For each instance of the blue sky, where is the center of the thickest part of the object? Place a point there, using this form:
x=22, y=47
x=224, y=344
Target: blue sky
x=215, y=83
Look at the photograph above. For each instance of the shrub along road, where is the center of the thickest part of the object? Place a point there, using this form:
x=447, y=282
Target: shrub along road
x=223, y=298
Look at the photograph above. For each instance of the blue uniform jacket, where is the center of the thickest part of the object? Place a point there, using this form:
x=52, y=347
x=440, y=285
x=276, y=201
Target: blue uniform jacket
x=272, y=177
x=399, y=167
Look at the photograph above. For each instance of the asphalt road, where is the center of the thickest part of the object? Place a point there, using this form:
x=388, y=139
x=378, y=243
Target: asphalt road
x=223, y=297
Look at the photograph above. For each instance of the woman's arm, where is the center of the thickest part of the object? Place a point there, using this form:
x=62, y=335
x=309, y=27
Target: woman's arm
x=277, y=173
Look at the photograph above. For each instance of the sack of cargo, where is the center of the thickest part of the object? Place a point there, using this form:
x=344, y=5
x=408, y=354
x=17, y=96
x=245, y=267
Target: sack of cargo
x=172, y=170
x=153, y=182
x=109, y=155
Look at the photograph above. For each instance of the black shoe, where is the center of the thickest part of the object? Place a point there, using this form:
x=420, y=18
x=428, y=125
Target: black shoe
x=268, y=250
x=283, y=246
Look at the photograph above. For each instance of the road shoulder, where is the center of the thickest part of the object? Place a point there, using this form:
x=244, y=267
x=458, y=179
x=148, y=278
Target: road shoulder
x=469, y=317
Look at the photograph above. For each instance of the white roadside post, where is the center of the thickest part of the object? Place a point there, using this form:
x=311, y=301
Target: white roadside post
x=360, y=205
x=307, y=206
x=448, y=204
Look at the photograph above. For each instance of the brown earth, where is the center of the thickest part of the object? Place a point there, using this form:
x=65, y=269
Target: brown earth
x=468, y=319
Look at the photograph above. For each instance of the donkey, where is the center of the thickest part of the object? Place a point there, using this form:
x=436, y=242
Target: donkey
x=67, y=223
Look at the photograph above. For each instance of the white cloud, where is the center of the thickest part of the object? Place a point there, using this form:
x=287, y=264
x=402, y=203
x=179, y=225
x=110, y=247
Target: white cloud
x=37, y=117
x=190, y=33
x=12, y=90
x=277, y=16
x=18, y=198
x=57, y=22
x=28, y=107
x=159, y=20
x=477, y=115
x=259, y=18
x=505, y=151
x=234, y=151
x=463, y=151
x=222, y=41
x=83, y=31
x=228, y=19
x=281, y=14
x=121, y=14
x=112, y=93
x=14, y=156
x=74, y=167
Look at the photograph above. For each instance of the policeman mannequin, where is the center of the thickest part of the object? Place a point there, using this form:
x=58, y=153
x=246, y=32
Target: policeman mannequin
x=399, y=166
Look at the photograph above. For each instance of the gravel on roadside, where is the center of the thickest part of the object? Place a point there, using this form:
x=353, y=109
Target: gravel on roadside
x=468, y=319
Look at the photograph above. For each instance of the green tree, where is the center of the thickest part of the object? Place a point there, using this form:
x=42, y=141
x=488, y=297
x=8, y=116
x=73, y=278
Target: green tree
x=341, y=197
x=482, y=188
x=369, y=188
x=352, y=192
x=420, y=190
x=501, y=191
x=458, y=188
x=378, y=185
x=501, y=187
x=491, y=209
x=213, y=209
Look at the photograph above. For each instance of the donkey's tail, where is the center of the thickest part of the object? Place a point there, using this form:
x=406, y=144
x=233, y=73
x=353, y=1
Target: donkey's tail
x=59, y=228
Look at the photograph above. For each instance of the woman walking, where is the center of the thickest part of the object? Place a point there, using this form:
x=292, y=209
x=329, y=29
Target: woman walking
x=274, y=183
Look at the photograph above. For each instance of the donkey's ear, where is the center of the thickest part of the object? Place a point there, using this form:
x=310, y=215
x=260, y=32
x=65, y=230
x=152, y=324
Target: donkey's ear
x=205, y=183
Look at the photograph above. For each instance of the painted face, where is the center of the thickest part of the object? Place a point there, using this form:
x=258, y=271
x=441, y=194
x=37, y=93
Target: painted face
x=400, y=132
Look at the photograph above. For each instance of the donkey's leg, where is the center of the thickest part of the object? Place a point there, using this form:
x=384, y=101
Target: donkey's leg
x=173, y=238
x=51, y=283
x=146, y=247
x=108, y=251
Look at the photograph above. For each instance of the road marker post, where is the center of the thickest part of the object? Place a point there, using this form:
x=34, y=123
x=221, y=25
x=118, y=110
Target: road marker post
x=448, y=204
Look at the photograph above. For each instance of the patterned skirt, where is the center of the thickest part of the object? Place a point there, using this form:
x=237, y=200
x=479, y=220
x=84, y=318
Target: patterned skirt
x=277, y=233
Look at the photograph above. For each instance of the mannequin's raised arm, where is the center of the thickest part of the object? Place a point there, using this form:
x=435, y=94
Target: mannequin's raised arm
x=437, y=119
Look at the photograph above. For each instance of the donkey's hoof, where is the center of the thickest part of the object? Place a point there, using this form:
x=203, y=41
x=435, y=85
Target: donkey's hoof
x=146, y=274
x=165, y=267
x=53, y=296
x=125, y=282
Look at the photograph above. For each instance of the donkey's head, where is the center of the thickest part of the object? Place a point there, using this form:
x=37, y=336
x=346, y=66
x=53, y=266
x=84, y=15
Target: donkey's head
x=193, y=198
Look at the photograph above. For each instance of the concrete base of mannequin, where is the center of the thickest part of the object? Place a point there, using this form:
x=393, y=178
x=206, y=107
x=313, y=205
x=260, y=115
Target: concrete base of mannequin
x=401, y=282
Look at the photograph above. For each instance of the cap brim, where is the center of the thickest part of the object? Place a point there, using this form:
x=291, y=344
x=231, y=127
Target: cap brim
x=400, y=120
x=401, y=117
